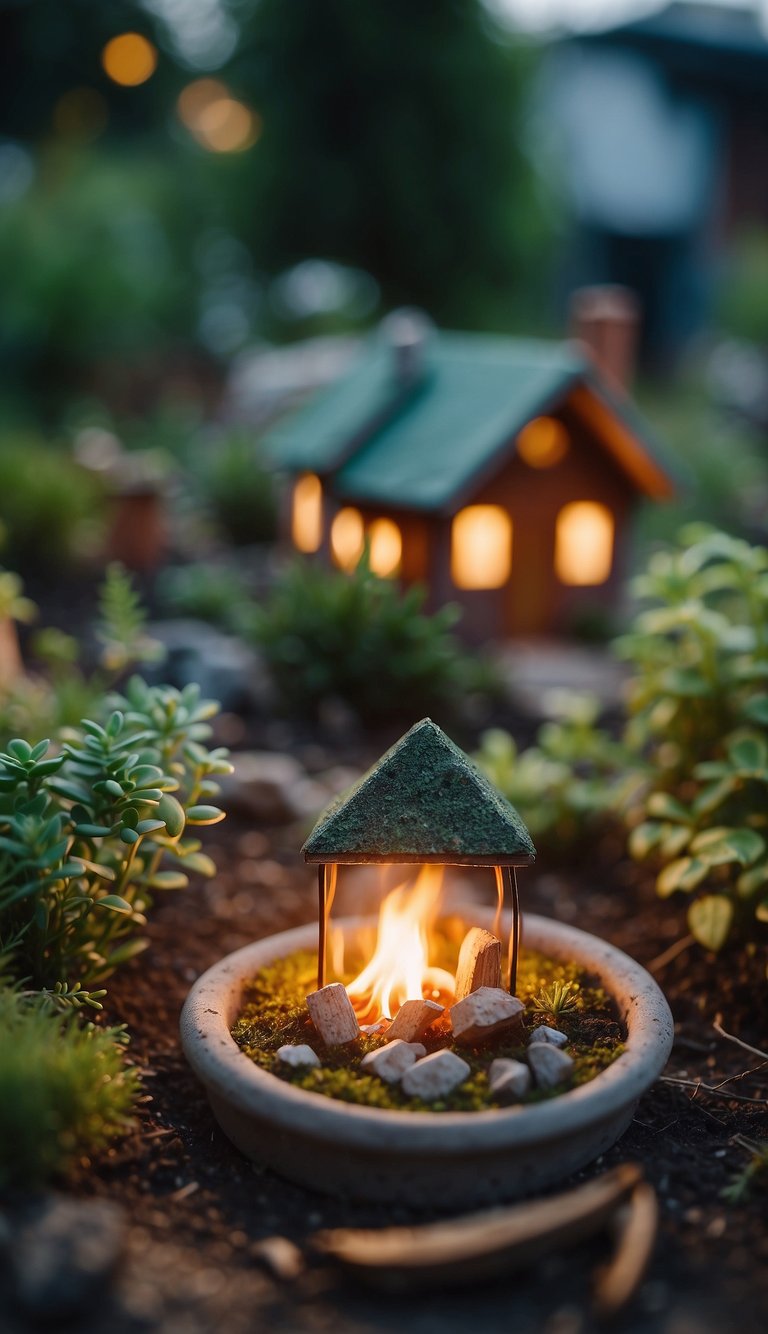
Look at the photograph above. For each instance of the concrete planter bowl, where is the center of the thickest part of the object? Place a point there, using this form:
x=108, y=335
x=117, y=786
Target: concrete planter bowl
x=445, y=1158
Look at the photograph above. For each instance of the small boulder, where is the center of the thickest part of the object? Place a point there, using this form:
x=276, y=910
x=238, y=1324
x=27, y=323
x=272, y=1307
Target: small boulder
x=551, y=1035
x=391, y=1062
x=486, y=1012
x=435, y=1076
x=549, y=1064
x=298, y=1054
x=509, y=1080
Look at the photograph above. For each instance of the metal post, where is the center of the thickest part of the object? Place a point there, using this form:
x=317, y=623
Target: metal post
x=322, y=942
x=514, y=937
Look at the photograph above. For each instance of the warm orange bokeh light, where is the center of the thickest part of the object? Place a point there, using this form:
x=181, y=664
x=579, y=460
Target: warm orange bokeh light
x=481, y=547
x=399, y=969
x=217, y=120
x=386, y=547
x=129, y=59
x=347, y=538
x=307, y=513
x=584, y=543
x=543, y=442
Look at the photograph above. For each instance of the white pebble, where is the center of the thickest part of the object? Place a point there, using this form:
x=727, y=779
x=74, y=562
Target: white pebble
x=435, y=1076
x=391, y=1062
x=550, y=1066
x=551, y=1035
x=298, y=1055
x=509, y=1080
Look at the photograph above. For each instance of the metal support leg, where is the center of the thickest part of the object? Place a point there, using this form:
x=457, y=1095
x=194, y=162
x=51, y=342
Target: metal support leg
x=326, y=890
x=510, y=874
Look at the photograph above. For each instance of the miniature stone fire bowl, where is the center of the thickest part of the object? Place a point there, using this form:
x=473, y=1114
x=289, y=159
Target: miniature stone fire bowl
x=424, y=1158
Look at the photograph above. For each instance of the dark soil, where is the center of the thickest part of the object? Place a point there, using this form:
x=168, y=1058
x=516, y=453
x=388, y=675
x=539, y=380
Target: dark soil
x=200, y=1213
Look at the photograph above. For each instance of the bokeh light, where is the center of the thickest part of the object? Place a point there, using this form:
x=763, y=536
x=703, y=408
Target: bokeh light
x=216, y=119
x=129, y=59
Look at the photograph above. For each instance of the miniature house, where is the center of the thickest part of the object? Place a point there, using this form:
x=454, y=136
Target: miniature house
x=500, y=473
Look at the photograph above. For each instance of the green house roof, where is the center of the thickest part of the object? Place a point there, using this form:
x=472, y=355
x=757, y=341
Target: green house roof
x=424, y=801
x=422, y=447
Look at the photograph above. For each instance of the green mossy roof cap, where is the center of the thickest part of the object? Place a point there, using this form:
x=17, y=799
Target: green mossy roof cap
x=423, y=801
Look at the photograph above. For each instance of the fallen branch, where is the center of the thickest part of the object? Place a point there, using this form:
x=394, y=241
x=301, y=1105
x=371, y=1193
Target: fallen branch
x=636, y=1233
x=717, y=1025
x=662, y=960
x=714, y=1090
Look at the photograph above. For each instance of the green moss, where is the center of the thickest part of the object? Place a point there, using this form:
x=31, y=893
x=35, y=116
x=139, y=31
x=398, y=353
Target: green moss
x=275, y=1013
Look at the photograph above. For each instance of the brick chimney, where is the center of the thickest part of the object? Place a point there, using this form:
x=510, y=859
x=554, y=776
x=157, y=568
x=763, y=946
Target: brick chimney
x=408, y=331
x=606, y=321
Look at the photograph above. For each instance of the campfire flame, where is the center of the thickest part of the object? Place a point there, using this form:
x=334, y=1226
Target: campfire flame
x=399, y=969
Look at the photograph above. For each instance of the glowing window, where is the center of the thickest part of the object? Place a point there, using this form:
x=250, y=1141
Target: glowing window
x=584, y=543
x=481, y=547
x=347, y=538
x=543, y=442
x=129, y=59
x=386, y=547
x=307, y=513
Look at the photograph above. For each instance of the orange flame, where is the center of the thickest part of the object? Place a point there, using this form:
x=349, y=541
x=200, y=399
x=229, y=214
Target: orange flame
x=399, y=969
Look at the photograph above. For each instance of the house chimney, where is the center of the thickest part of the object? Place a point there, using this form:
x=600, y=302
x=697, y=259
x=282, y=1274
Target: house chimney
x=606, y=320
x=407, y=331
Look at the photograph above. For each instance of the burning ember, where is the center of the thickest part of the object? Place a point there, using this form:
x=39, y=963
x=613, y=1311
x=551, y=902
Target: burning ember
x=400, y=968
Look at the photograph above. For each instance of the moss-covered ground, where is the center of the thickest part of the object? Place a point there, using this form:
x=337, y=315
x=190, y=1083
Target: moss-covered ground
x=275, y=1013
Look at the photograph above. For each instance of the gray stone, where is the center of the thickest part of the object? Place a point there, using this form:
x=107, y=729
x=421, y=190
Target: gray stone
x=549, y=1064
x=435, y=1076
x=509, y=1080
x=391, y=1062
x=264, y=785
x=63, y=1254
x=484, y=1013
x=551, y=1035
x=297, y=1055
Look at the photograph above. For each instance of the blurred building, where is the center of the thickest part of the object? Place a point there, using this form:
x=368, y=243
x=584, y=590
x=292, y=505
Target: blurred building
x=663, y=128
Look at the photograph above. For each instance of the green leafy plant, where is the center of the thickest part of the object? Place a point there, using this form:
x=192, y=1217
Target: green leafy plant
x=89, y=835
x=688, y=777
x=754, y=1174
x=238, y=487
x=121, y=625
x=215, y=593
x=13, y=605
x=559, y=998
x=48, y=504
x=65, y=1088
x=361, y=639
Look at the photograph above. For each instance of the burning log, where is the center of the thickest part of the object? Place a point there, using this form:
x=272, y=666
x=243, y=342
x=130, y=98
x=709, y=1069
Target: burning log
x=435, y=1076
x=333, y=1016
x=485, y=1013
x=391, y=1062
x=479, y=962
x=413, y=1019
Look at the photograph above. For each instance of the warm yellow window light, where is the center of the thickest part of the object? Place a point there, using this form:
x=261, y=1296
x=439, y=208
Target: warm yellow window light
x=543, y=442
x=129, y=59
x=481, y=547
x=347, y=538
x=386, y=547
x=307, y=513
x=584, y=543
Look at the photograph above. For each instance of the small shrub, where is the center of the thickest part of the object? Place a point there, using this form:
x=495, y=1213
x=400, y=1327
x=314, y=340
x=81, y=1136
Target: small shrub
x=47, y=504
x=214, y=593
x=689, y=777
x=65, y=1089
x=238, y=488
x=359, y=638
x=88, y=836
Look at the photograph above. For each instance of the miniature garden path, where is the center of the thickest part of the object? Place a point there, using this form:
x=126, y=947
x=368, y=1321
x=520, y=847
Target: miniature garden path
x=199, y=1213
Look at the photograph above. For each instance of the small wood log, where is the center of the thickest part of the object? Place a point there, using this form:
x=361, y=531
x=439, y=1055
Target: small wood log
x=479, y=1246
x=333, y=1015
x=486, y=1012
x=413, y=1019
x=479, y=962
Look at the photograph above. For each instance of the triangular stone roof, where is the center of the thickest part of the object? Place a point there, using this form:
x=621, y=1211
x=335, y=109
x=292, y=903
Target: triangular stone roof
x=424, y=801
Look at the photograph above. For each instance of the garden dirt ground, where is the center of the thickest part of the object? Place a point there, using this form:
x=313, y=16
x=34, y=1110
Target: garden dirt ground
x=198, y=1212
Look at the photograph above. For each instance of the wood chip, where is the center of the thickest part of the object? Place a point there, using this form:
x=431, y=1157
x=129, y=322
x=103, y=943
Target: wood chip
x=333, y=1015
x=636, y=1234
x=413, y=1019
x=484, y=1013
x=435, y=1076
x=479, y=1246
x=479, y=962
x=280, y=1256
